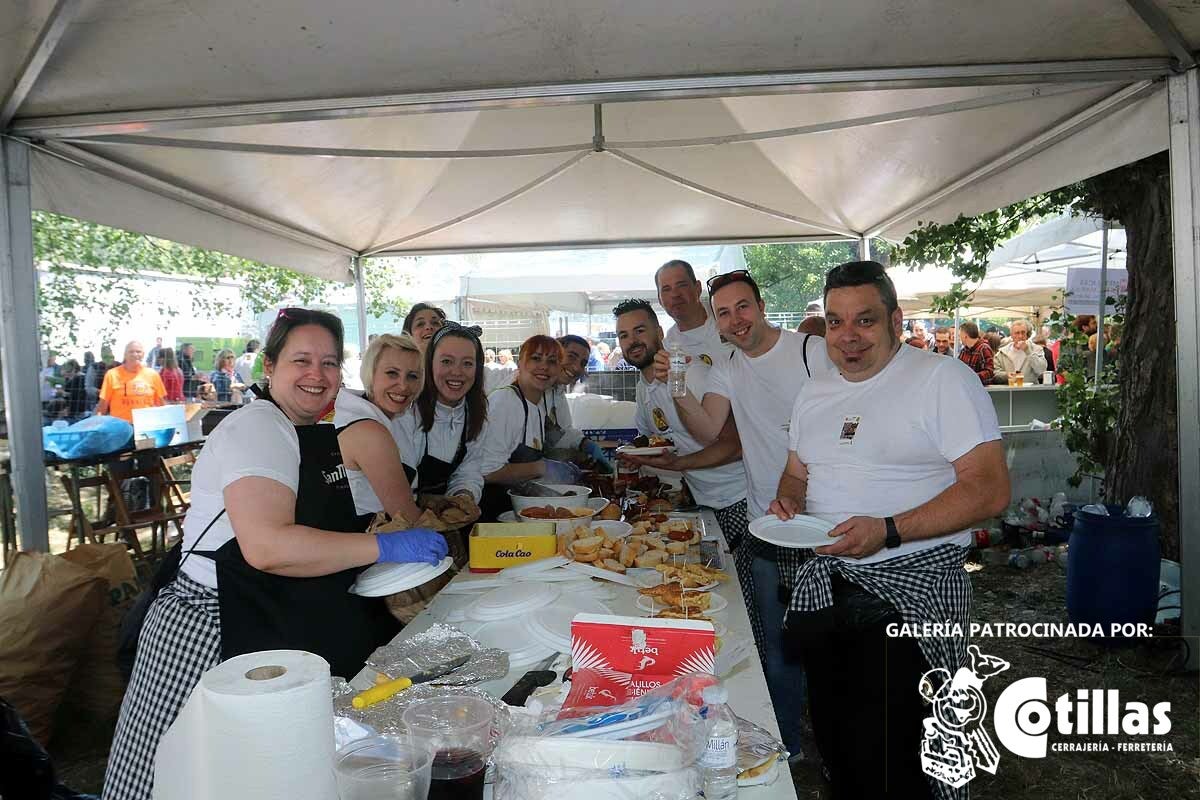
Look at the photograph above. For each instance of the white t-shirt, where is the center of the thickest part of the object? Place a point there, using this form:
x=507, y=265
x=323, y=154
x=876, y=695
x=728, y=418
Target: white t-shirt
x=442, y=443
x=508, y=426
x=762, y=392
x=703, y=343
x=868, y=452
x=717, y=487
x=559, y=410
x=351, y=407
x=257, y=440
x=244, y=367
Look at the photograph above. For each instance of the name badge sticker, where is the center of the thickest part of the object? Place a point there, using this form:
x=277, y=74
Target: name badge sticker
x=849, y=428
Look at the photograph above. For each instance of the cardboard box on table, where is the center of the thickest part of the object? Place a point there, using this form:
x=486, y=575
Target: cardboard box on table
x=494, y=546
x=617, y=659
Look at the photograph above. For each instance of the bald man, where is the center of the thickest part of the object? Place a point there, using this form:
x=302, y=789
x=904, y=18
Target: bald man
x=130, y=385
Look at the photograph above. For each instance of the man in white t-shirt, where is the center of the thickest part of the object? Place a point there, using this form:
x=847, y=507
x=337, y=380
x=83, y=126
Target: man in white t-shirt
x=758, y=382
x=902, y=483
x=695, y=330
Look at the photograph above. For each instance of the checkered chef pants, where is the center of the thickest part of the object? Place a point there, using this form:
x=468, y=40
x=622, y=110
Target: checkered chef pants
x=180, y=640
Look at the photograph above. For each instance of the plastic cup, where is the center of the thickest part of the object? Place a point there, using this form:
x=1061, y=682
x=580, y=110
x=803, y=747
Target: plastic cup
x=1016, y=378
x=458, y=729
x=383, y=768
x=1047, y=378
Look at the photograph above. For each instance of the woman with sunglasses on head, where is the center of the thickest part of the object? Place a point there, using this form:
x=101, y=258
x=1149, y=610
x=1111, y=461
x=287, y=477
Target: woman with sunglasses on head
x=516, y=434
x=422, y=321
x=369, y=424
x=445, y=428
x=272, y=545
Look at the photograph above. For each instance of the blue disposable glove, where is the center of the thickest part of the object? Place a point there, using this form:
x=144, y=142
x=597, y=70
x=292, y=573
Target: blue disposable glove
x=562, y=472
x=417, y=544
x=597, y=452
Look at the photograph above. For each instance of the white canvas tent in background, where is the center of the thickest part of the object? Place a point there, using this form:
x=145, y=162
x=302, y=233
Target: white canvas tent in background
x=293, y=133
x=1025, y=276
x=581, y=281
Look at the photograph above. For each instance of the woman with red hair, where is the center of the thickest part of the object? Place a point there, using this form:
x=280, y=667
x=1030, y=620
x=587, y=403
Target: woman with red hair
x=515, y=440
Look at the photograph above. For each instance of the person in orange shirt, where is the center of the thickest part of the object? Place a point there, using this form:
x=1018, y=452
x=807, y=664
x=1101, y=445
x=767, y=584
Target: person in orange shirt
x=130, y=385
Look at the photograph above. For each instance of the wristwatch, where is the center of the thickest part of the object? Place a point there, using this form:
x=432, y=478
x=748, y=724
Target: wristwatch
x=893, y=535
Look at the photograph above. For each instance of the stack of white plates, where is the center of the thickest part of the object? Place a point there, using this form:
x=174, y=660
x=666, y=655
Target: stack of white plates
x=513, y=601
x=385, y=579
x=550, y=626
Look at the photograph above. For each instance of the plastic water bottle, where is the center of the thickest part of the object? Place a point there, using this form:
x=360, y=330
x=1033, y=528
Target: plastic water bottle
x=677, y=374
x=720, y=756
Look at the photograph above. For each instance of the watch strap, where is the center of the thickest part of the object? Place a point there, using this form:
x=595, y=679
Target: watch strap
x=893, y=534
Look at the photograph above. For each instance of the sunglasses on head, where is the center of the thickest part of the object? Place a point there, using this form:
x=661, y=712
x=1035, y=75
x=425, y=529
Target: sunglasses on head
x=473, y=331
x=717, y=282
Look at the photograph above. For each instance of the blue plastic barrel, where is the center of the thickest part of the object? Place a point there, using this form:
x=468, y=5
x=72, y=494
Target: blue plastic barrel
x=1112, y=569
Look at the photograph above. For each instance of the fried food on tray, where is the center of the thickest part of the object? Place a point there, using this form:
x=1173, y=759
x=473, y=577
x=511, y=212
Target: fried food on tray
x=691, y=575
x=552, y=512
x=672, y=594
x=681, y=613
x=612, y=511
x=660, y=441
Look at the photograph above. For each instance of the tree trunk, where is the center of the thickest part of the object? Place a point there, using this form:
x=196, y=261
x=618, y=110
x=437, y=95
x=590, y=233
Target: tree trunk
x=1145, y=460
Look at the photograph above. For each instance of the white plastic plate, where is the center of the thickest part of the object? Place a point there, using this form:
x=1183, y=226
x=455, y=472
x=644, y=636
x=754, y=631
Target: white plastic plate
x=801, y=530
x=377, y=582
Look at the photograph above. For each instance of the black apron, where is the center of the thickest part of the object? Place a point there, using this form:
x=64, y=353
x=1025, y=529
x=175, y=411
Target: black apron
x=262, y=611
x=554, y=431
x=495, y=500
x=434, y=473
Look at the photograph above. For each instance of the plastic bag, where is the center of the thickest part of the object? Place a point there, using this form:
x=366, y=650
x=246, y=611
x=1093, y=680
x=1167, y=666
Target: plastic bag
x=28, y=772
x=646, y=749
x=757, y=754
x=89, y=437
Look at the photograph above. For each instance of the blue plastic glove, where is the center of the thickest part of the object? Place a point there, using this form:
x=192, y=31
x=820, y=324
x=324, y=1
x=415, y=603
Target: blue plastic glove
x=561, y=472
x=416, y=544
x=597, y=452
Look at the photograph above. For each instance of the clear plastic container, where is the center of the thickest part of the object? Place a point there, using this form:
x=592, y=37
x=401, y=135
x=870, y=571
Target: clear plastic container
x=383, y=768
x=720, y=756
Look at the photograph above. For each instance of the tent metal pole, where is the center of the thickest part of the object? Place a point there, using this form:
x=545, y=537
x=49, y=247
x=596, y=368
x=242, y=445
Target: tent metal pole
x=51, y=34
x=957, y=337
x=19, y=345
x=1157, y=20
x=602, y=245
x=360, y=302
x=1183, y=107
x=1103, y=304
x=864, y=249
x=1076, y=122
x=145, y=121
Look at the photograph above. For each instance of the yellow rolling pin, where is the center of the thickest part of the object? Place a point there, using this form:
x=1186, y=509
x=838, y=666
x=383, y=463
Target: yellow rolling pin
x=388, y=689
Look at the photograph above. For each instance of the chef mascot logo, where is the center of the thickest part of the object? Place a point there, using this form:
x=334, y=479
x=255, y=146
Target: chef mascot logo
x=956, y=743
x=660, y=419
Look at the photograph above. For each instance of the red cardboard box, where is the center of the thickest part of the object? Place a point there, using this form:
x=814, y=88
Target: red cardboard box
x=617, y=659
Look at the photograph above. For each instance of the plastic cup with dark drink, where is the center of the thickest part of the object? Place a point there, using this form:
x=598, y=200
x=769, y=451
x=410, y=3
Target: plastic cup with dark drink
x=458, y=730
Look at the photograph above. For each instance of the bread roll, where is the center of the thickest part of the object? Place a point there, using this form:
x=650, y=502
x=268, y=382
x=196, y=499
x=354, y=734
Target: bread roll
x=587, y=558
x=651, y=558
x=613, y=566
x=591, y=544
x=677, y=548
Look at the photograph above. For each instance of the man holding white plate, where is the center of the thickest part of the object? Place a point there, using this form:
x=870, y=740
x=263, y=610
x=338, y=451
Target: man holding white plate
x=900, y=486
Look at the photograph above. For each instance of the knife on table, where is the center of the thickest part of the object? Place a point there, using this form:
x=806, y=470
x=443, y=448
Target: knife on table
x=377, y=694
x=535, y=678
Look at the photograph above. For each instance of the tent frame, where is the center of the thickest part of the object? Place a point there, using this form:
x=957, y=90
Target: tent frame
x=18, y=273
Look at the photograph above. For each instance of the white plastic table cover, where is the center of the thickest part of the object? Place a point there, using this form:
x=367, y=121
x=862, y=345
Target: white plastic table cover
x=748, y=694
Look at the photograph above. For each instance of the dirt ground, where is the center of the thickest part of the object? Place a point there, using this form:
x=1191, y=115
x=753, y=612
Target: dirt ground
x=1146, y=671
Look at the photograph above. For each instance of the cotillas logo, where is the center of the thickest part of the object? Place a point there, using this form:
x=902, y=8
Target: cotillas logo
x=1024, y=718
x=956, y=743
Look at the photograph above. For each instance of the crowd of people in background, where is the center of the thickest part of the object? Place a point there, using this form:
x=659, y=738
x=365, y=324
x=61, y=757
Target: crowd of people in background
x=72, y=391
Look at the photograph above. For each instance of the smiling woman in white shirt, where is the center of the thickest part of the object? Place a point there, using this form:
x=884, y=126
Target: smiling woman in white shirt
x=516, y=433
x=271, y=547
x=367, y=426
x=445, y=428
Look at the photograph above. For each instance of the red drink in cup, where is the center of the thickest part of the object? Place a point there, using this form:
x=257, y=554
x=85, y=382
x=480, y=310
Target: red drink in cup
x=458, y=729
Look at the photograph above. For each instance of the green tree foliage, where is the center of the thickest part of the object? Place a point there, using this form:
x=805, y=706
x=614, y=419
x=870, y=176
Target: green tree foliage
x=113, y=259
x=793, y=275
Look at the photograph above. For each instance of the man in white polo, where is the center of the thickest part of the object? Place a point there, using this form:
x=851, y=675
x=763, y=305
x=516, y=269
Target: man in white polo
x=902, y=483
x=758, y=382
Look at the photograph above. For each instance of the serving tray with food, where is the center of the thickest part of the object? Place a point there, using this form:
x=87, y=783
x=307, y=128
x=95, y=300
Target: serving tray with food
x=647, y=446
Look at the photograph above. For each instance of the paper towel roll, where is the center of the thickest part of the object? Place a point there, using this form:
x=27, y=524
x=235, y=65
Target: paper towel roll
x=256, y=726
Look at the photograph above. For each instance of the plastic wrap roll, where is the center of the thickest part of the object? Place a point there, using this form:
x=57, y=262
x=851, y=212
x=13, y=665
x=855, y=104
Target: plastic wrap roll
x=258, y=725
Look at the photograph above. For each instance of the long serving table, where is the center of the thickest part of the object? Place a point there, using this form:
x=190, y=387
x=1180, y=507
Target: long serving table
x=748, y=696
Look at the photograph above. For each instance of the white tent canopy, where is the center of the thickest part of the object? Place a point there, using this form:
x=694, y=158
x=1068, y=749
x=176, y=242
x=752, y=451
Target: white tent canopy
x=775, y=122
x=1025, y=274
x=584, y=281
